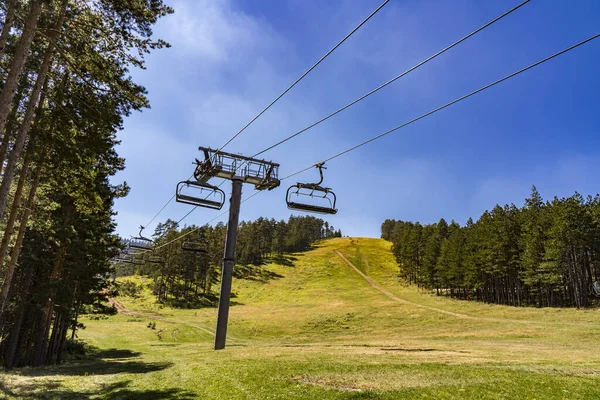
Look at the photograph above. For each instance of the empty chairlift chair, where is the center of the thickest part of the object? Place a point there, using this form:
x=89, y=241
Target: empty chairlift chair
x=155, y=260
x=193, y=246
x=206, y=195
x=140, y=242
x=321, y=199
x=124, y=259
x=595, y=288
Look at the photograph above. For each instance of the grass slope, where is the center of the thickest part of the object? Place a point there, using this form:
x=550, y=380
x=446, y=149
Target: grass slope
x=319, y=330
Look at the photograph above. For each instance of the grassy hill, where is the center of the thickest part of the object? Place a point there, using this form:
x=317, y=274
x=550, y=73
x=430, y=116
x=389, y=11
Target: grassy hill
x=334, y=324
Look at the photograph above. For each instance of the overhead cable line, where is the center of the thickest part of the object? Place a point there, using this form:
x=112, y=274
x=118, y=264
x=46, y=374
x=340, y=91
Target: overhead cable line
x=448, y=104
x=304, y=75
x=393, y=79
x=420, y=64
x=412, y=121
x=282, y=94
x=200, y=227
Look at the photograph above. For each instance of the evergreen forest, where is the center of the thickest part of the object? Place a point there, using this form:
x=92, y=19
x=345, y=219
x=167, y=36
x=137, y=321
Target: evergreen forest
x=65, y=89
x=545, y=254
x=185, y=264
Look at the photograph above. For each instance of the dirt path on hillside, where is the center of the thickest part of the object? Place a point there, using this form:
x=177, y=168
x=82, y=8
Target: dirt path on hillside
x=121, y=309
x=390, y=295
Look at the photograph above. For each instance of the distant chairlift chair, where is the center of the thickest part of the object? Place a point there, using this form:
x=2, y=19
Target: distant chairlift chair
x=194, y=246
x=155, y=260
x=595, y=288
x=140, y=242
x=326, y=198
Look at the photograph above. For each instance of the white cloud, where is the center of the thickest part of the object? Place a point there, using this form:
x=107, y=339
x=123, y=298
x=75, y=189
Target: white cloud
x=221, y=71
x=213, y=31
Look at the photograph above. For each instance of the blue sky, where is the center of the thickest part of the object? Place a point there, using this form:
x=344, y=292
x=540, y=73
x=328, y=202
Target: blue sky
x=230, y=58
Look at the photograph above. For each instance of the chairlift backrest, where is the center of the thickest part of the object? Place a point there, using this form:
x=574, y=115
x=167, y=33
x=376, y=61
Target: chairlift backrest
x=213, y=197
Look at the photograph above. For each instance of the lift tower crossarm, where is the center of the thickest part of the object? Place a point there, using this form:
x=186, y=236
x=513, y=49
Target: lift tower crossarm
x=260, y=173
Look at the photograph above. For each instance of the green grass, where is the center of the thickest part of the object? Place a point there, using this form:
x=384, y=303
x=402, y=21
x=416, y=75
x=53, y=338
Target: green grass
x=320, y=331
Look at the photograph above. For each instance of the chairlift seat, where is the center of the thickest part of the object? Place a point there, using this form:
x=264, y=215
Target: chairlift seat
x=311, y=208
x=141, y=245
x=182, y=198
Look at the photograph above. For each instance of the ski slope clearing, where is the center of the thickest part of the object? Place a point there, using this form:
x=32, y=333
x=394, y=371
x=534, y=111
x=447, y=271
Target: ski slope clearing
x=336, y=323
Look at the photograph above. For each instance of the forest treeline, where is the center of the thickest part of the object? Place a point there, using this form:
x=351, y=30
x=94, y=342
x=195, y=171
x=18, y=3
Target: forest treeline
x=64, y=91
x=185, y=277
x=543, y=254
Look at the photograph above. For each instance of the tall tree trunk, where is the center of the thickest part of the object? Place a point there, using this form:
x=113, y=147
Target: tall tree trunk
x=41, y=339
x=11, y=124
x=15, y=335
x=14, y=255
x=18, y=63
x=32, y=107
x=75, y=321
x=8, y=22
x=9, y=229
x=54, y=337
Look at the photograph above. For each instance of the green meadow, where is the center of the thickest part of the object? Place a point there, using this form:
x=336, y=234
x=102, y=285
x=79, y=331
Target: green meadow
x=317, y=328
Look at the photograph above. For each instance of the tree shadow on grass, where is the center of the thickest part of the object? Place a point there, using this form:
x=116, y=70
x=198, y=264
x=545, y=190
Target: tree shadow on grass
x=255, y=273
x=99, y=362
x=112, y=391
x=97, y=367
x=286, y=260
x=115, y=353
x=46, y=382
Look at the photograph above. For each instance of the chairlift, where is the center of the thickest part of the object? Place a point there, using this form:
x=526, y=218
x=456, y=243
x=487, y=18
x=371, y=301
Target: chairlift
x=193, y=246
x=140, y=242
x=134, y=251
x=323, y=199
x=155, y=260
x=209, y=196
x=595, y=288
